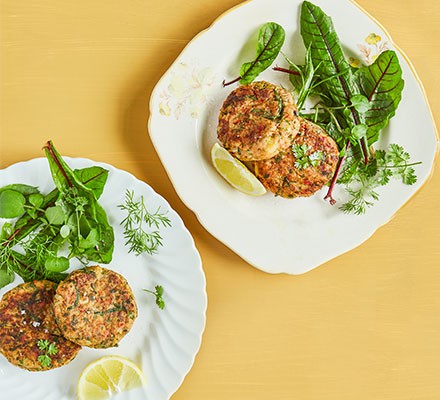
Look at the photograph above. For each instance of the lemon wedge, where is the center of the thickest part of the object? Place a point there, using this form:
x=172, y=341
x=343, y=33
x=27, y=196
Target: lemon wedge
x=107, y=376
x=235, y=172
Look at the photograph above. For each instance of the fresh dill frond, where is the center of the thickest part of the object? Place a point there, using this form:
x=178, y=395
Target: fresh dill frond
x=141, y=227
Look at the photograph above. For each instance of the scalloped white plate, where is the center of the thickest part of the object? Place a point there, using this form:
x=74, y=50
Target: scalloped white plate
x=274, y=234
x=162, y=342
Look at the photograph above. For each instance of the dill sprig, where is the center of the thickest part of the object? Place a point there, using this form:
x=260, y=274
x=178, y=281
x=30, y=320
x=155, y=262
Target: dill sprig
x=141, y=227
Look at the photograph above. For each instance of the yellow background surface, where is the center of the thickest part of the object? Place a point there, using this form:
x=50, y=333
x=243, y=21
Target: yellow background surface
x=365, y=325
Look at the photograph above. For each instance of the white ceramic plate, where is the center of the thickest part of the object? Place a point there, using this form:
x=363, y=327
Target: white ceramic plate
x=275, y=234
x=162, y=342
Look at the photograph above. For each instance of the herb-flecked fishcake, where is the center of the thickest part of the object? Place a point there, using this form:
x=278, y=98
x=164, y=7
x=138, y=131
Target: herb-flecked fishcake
x=257, y=121
x=95, y=307
x=26, y=317
x=304, y=168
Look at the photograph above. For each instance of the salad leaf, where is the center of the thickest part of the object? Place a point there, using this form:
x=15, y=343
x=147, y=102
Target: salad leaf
x=328, y=57
x=89, y=215
x=270, y=40
x=94, y=178
x=382, y=84
x=11, y=204
x=25, y=190
x=338, y=81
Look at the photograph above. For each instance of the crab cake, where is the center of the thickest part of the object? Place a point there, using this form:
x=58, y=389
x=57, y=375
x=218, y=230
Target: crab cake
x=94, y=307
x=257, y=121
x=26, y=318
x=304, y=168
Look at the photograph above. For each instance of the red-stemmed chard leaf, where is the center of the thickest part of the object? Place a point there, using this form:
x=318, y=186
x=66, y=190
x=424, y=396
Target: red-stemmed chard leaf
x=382, y=83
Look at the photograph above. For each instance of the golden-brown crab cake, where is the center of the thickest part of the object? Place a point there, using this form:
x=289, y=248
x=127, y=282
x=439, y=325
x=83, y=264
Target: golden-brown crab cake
x=95, y=307
x=304, y=168
x=257, y=121
x=25, y=320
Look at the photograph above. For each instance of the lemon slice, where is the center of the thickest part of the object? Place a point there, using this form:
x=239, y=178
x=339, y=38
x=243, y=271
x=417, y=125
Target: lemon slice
x=107, y=376
x=235, y=172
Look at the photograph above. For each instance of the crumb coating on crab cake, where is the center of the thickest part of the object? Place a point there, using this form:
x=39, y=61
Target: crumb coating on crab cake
x=95, y=307
x=257, y=121
x=26, y=316
x=286, y=177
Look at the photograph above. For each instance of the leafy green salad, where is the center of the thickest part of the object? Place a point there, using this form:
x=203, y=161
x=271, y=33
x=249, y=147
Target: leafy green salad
x=353, y=105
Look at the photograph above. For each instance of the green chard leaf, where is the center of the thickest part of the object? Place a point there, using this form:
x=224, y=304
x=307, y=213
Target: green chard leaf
x=338, y=85
x=270, y=40
x=328, y=57
x=382, y=84
x=94, y=178
x=86, y=209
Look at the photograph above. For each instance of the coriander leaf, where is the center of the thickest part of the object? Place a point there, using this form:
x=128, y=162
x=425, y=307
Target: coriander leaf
x=158, y=294
x=11, y=204
x=43, y=344
x=49, y=349
x=361, y=180
x=304, y=160
x=52, y=349
x=44, y=360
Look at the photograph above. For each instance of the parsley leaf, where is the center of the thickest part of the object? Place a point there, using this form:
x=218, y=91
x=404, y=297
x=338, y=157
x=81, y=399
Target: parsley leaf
x=304, y=160
x=49, y=349
x=361, y=180
x=158, y=293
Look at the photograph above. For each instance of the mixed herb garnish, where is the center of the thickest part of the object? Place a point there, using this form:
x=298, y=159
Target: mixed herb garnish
x=353, y=105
